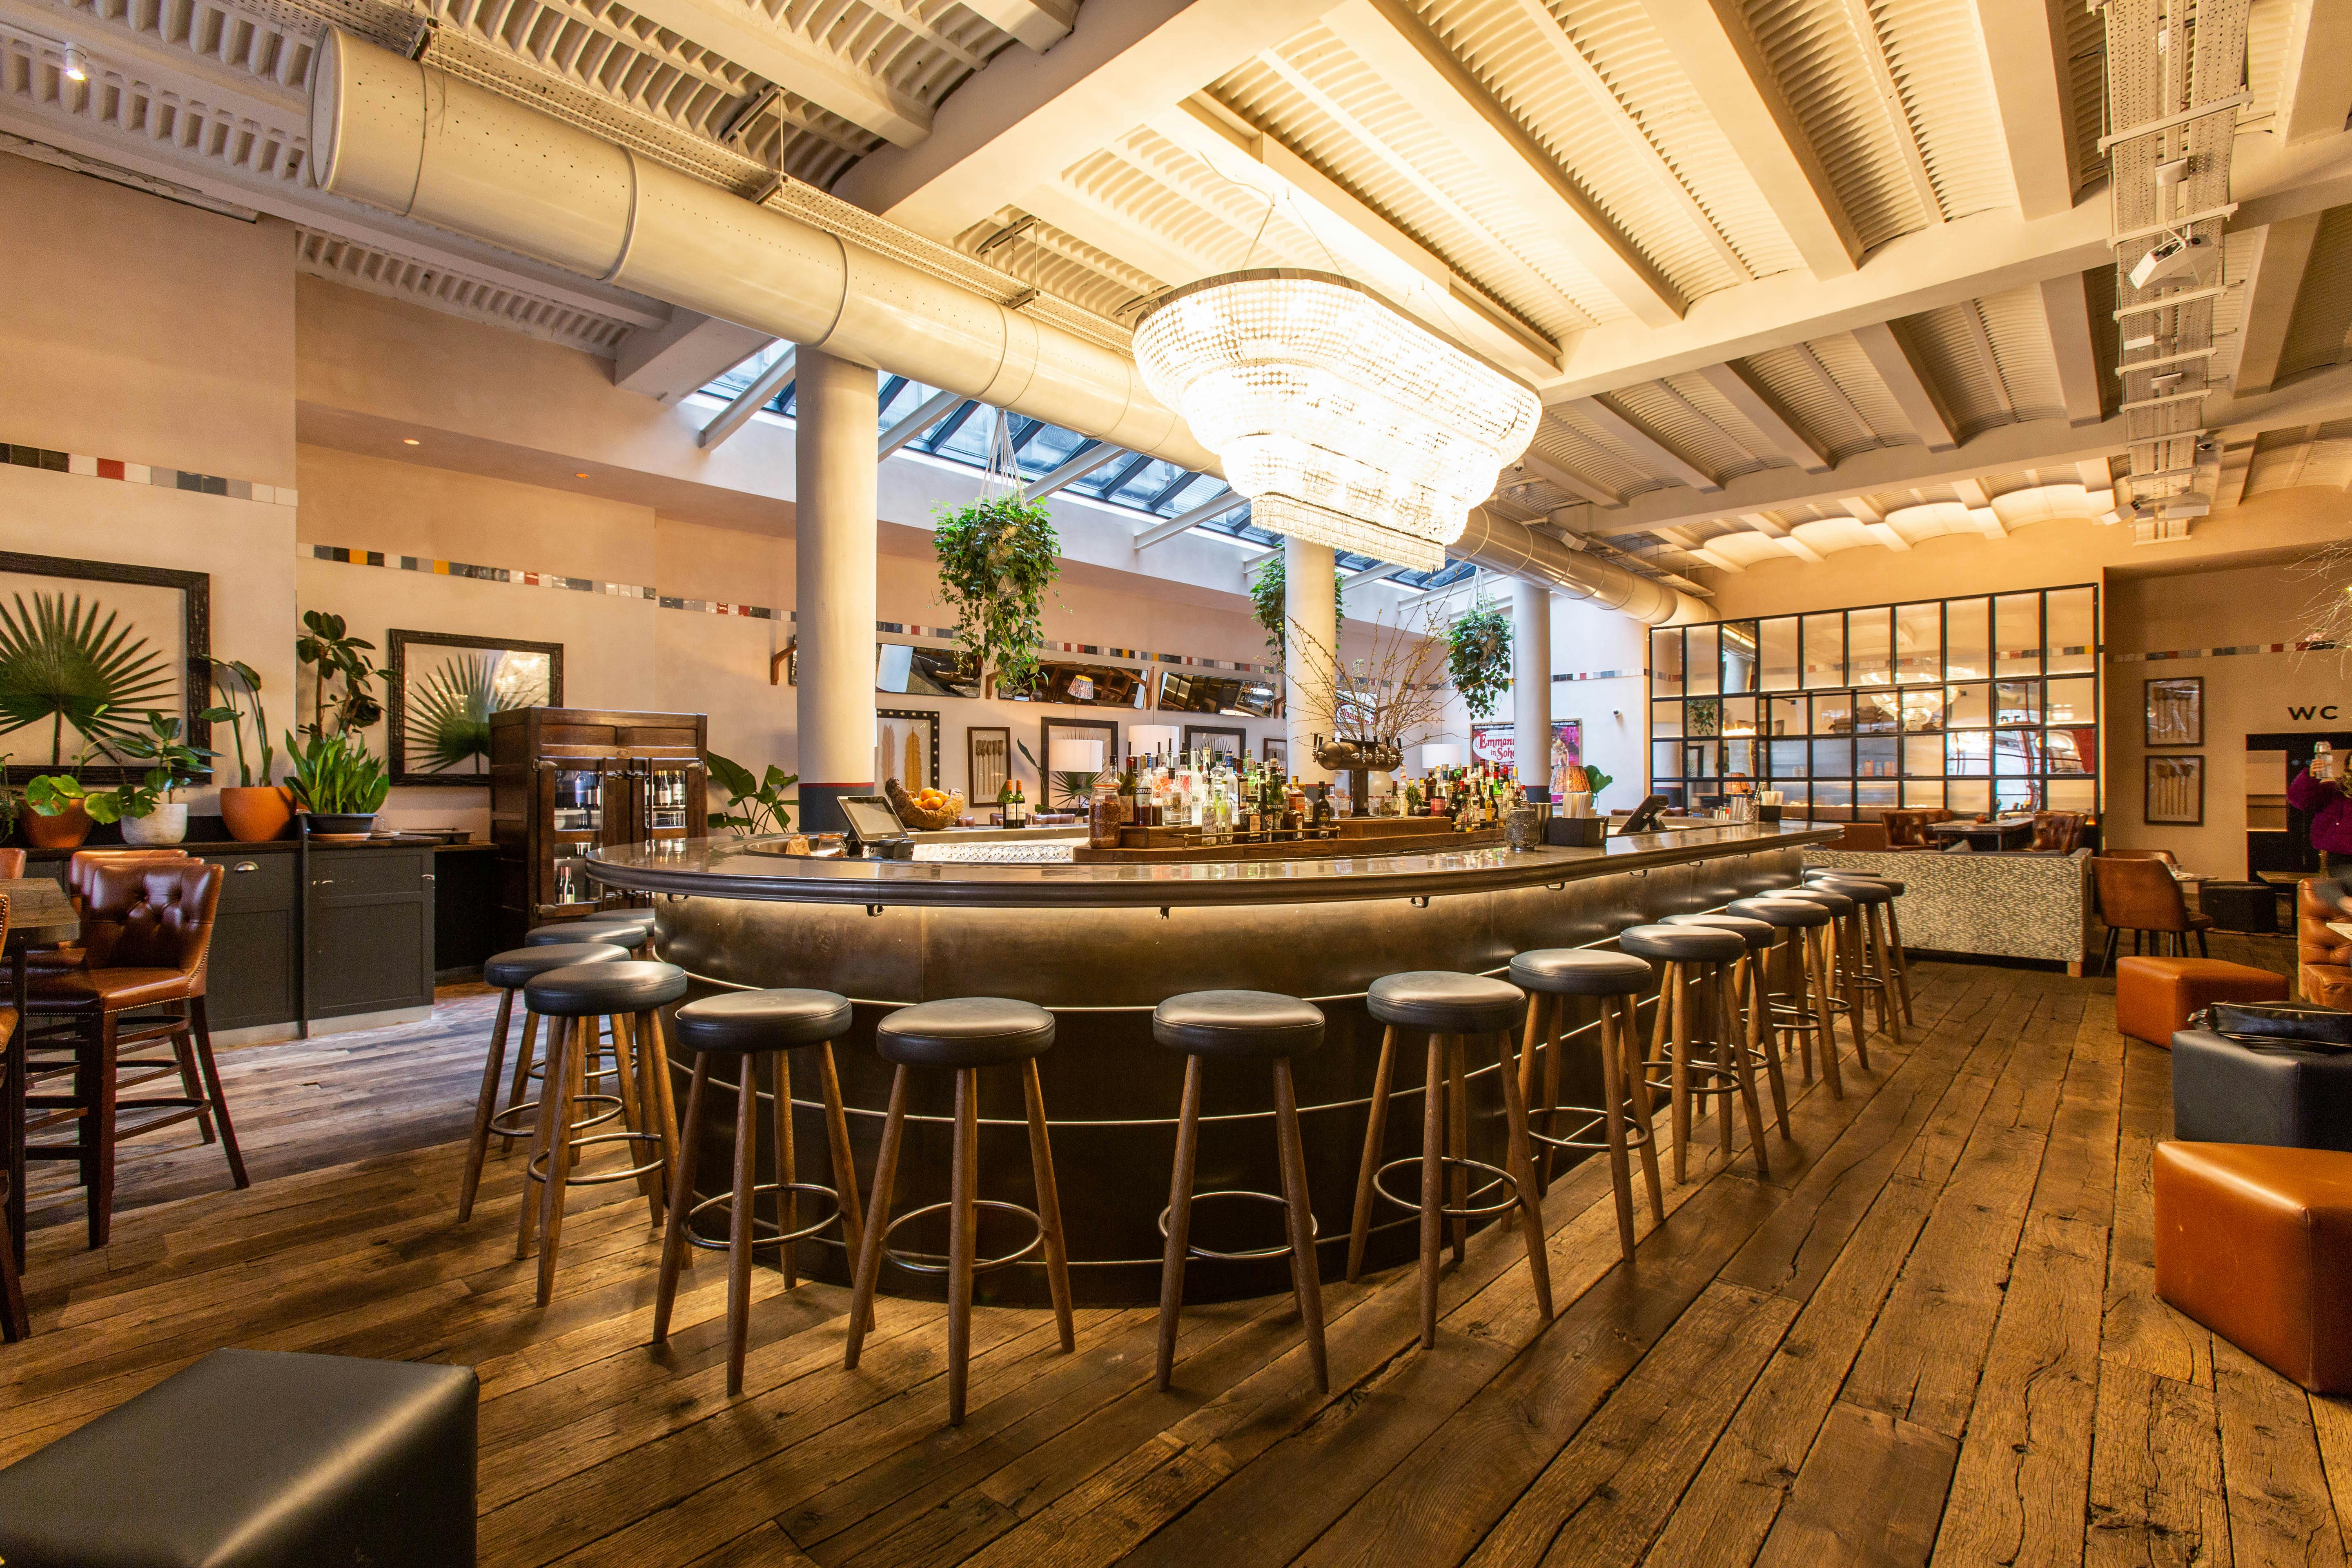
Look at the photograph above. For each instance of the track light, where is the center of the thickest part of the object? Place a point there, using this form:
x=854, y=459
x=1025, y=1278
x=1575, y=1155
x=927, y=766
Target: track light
x=2174, y=256
x=77, y=64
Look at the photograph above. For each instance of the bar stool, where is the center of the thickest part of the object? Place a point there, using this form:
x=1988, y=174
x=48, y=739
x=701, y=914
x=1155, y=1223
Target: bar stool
x=1449, y=1005
x=633, y=931
x=1250, y=1026
x=624, y=993
x=510, y=971
x=1697, y=956
x=1845, y=947
x=750, y=1026
x=1874, y=969
x=1623, y=1118
x=963, y=1035
x=1798, y=1000
x=1901, y=960
x=1748, y=1006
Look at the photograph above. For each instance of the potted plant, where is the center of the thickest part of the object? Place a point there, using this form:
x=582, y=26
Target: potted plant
x=1269, y=597
x=334, y=655
x=754, y=805
x=255, y=812
x=997, y=557
x=337, y=784
x=59, y=811
x=148, y=813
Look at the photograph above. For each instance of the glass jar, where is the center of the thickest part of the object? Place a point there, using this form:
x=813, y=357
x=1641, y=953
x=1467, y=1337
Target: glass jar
x=1105, y=812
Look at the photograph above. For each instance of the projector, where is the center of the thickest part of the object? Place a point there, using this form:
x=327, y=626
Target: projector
x=2174, y=258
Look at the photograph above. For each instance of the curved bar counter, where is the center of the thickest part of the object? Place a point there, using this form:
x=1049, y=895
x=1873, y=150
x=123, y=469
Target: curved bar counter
x=1100, y=946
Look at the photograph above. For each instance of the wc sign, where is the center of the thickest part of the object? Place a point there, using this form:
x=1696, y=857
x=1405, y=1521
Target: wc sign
x=2308, y=713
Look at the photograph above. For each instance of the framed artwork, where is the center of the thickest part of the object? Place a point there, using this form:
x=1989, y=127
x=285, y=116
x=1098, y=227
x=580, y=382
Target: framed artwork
x=1276, y=750
x=987, y=761
x=2176, y=792
x=87, y=648
x=440, y=689
x=1072, y=752
x=1226, y=742
x=907, y=747
x=2175, y=710
x=1500, y=743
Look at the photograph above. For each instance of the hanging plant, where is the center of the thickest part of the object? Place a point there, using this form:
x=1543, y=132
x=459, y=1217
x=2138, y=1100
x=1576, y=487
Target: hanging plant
x=1478, y=658
x=997, y=557
x=1267, y=598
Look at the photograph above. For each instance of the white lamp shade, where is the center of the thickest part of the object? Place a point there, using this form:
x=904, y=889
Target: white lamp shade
x=1074, y=756
x=1441, y=754
x=1145, y=739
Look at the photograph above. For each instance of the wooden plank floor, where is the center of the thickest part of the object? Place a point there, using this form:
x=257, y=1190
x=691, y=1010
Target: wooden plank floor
x=1931, y=1334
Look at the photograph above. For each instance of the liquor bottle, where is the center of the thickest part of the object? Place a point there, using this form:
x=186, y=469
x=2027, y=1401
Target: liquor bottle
x=1323, y=808
x=1016, y=811
x=1139, y=795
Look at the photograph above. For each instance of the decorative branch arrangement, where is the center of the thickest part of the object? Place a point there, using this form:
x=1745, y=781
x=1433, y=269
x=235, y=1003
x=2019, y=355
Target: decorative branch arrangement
x=2327, y=618
x=1269, y=592
x=1396, y=688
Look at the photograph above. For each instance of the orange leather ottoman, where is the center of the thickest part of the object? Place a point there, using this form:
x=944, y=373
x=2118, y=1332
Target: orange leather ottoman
x=2154, y=996
x=2256, y=1244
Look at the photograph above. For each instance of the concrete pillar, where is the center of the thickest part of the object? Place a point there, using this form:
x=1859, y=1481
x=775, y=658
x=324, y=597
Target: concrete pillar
x=833, y=582
x=1310, y=604
x=1531, y=684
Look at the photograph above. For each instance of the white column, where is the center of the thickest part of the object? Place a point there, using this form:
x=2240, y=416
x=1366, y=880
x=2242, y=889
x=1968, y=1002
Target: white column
x=833, y=582
x=1531, y=684
x=1310, y=604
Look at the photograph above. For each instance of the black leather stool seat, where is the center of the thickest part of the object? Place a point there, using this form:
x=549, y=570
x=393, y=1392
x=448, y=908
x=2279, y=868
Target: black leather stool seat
x=1682, y=944
x=1861, y=890
x=510, y=969
x=621, y=930
x=964, y=1032
x=584, y=990
x=1445, y=1000
x=775, y=1020
x=1782, y=911
x=258, y=1459
x=1830, y=899
x=1237, y=1023
x=2225, y=1092
x=1581, y=972
x=1833, y=875
x=1755, y=934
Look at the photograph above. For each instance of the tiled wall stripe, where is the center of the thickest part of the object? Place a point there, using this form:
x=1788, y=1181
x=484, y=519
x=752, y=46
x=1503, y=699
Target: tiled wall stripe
x=91, y=468
x=2219, y=652
x=349, y=557
x=1598, y=675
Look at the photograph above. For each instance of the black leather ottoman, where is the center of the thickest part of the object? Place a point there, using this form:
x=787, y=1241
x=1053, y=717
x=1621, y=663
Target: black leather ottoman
x=2223, y=1092
x=258, y=1459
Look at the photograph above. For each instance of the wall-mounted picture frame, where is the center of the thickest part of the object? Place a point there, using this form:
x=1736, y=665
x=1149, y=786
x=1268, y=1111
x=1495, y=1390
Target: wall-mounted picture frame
x=907, y=747
x=2174, y=792
x=440, y=689
x=1072, y=752
x=2175, y=707
x=987, y=761
x=1274, y=750
x=1231, y=740
x=78, y=636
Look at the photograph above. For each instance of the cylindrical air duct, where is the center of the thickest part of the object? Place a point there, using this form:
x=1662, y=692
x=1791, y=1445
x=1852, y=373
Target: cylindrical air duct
x=1518, y=551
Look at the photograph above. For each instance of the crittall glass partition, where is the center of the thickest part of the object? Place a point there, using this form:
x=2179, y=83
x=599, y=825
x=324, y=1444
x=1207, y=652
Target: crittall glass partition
x=1977, y=704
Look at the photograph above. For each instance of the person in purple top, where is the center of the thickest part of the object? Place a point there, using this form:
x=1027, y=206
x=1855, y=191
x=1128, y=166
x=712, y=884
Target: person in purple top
x=2323, y=799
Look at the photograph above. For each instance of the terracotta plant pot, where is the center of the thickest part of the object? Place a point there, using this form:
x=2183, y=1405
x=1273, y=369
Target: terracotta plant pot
x=256, y=814
x=65, y=830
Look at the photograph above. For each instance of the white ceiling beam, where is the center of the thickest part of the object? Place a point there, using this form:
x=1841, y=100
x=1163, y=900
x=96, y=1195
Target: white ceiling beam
x=800, y=66
x=1391, y=40
x=1370, y=574
x=2024, y=45
x=1915, y=394
x=2315, y=86
x=1792, y=546
x=932, y=409
x=1186, y=520
x=1886, y=533
x=1861, y=511
x=1689, y=544
x=1551, y=473
x=2282, y=255
x=1019, y=123
x=687, y=354
x=748, y=402
x=1759, y=523
x=1077, y=469
x=1733, y=385
x=2066, y=311
x=1076, y=213
x=1711, y=41
x=1040, y=24
x=1897, y=114
x=1647, y=449
x=2237, y=466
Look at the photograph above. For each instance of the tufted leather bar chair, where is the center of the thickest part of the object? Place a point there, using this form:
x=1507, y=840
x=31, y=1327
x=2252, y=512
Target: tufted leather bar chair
x=14, y=1324
x=2143, y=897
x=146, y=937
x=1907, y=829
x=2325, y=973
x=81, y=867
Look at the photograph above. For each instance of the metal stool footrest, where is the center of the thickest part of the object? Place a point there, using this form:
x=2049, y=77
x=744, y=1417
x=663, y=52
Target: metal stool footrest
x=979, y=1264
x=1637, y=1132
x=1496, y=1177
x=536, y=1170
x=1724, y=1079
x=530, y=1109
x=1313, y=1228
x=727, y=1200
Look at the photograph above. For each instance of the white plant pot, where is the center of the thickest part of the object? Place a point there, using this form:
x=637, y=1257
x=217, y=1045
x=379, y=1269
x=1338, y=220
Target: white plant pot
x=165, y=824
x=1576, y=802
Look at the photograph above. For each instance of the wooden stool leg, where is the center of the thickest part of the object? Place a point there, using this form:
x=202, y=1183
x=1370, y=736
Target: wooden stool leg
x=1049, y=1206
x=98, y=1136
x=741, y=1212
x=210, y=1069
x=844, y=1163
x=521, y=1074
x=1796, y=950
x=1180, y=1219
x=1678, y=1043
x=1818, y=978
x=652, y=1062
x=1552, y=1047
x=1645, y=1109
x=1745, y=1075
x=1612, y=1103
x=877, y=1219
x=1375, y=1135
x=1882, y=964
x=1850, y=941
x=1534, y=1034
x=579, y=1040
x=1433, y=1185
x=1902, y=963
x=788, y=1208
x=1761, y=1038
x=542, y=1137
x=1457, y=1143
x=1518, y=1160
x=962, y=1237
x=675, y=1246
x=1306, y=1273
x=1717, y=1010
x=486, y=1105
x=184, y=1052
x=636, y=1104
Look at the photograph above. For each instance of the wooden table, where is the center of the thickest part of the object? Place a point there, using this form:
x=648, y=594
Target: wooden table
x=2001, y=833
x=39, y=915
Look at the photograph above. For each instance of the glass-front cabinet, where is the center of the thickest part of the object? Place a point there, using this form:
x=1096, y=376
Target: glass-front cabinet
x=1976, y=704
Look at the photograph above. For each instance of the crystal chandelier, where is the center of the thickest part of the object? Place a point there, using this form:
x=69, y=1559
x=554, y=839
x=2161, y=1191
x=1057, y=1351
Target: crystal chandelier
x=1343, y=421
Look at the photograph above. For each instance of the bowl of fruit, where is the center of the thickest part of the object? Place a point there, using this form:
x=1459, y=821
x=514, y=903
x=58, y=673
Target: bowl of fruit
x=924, y=810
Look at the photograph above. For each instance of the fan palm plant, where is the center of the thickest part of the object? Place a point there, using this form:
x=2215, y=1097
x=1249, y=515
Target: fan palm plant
x=75, y=664
x=452, y=708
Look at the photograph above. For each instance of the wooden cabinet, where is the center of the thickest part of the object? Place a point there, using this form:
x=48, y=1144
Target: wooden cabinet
x=255, y=976
x=368, y=940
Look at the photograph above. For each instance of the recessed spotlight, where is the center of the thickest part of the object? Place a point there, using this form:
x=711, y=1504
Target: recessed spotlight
x=578, y=475
x=410, y=441
x=77, y=64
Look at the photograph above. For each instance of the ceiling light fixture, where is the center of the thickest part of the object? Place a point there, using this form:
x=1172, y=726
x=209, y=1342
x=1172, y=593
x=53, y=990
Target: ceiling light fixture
x=1341, y=420
x=77, y=64
x=410, y=441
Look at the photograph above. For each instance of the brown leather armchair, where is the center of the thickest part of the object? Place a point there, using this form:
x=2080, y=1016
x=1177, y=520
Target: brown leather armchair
x=1868, y=837
x=2142, y=897
x=80, y=867
x=1907, y=829
x=2056, y=832
x=147, y=933
x=2324, y=972
x=12, y=864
